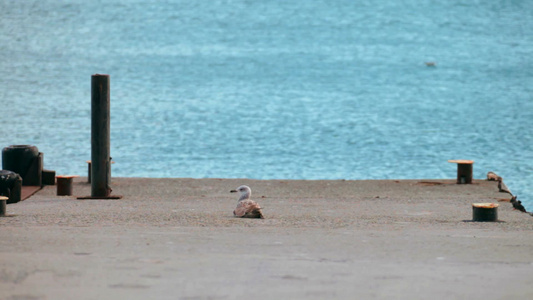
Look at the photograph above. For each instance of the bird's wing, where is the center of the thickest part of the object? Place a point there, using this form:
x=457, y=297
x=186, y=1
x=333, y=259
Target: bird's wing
x=245, y=207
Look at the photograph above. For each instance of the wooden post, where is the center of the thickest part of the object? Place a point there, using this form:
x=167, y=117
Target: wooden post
x=100, y=164
x=100, y=136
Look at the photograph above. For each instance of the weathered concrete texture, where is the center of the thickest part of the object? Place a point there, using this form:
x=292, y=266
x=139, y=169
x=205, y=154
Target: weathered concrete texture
x=177, y=239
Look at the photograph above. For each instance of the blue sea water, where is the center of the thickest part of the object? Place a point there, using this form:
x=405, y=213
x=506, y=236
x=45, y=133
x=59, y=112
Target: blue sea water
x=287, y=89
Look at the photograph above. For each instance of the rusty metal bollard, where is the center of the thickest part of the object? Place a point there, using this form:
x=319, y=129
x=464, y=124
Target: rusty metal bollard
x=64, y=184
x=485, y=212
x=3, y=202
x=464, y=170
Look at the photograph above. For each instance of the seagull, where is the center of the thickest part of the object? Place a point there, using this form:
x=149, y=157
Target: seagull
x=246, y=208
x=517, y=204
x=491, y=176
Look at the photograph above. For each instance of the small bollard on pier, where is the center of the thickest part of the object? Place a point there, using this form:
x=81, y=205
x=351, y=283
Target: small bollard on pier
x=464, y=170
x=49, y=177
x=485, y=212
x=64, y=184
x=3, y=202
x=89, y=170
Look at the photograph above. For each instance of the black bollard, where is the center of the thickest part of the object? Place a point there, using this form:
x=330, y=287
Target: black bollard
x=485, y=212
x=11, y=186
x=25, y=160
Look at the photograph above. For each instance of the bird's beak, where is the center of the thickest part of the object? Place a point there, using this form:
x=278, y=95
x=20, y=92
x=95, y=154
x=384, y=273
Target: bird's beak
x=233, y=191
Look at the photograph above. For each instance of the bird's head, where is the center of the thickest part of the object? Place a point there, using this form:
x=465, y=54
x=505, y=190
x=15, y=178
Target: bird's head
x=245, y=191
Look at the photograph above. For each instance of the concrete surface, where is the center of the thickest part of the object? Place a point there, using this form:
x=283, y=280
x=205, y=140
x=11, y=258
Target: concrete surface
x=177, y=239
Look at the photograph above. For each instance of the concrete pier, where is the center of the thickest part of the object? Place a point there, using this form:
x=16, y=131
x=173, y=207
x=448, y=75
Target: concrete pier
x=177, y=239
